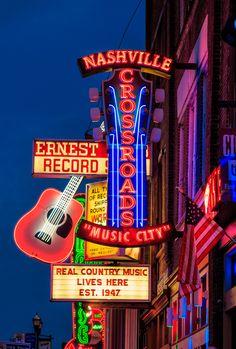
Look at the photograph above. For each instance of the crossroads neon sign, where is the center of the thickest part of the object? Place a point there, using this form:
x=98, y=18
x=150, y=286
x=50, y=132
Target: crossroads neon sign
x=127, y=98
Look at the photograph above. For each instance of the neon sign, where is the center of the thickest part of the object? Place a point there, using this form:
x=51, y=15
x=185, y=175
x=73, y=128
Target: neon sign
x=100, y=283
x=61, y=158
x=83, y=326
x=124, y=237
x=228, y=164
x=114, y=59
x=127, y=100
x=57, y=158
x=72, y=344
x=212, y=193
x=96, y=211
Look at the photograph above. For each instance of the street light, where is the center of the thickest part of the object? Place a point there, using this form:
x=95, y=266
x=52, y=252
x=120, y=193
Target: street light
x=37, y=323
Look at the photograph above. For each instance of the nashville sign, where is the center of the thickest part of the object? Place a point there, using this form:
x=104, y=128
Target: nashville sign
x=115, y=59
x=124, y=237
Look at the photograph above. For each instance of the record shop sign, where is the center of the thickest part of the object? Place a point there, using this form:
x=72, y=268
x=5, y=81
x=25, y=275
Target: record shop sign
x=63, y=158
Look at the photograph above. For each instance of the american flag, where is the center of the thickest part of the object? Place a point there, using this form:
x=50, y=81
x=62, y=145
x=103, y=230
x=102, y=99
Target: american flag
x=201, y=234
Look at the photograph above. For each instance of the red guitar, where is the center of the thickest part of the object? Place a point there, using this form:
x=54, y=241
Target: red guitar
x=47, y=231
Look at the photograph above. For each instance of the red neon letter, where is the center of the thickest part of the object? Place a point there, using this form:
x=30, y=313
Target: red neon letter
x=123, y=75
x=127, y=153
x=111, y=57
x=127, y=106
x=127, y=169
x=126, y=91
x=166, y=64
x=127, y=186
x=89, y=62
x=127, y=201
x=156, y=62
x=121, y=56
x=127, y=137
x=127, y=219
x=127, y=120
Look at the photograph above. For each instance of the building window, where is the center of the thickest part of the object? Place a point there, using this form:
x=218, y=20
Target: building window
x=233, y=271
x=199, y=316
x=162, y=330
x=181, y=183
x=183, y=154
x=181, y=15
x=175, y=322
x=204, y=306
x=192, y=141
x=197, y=136
x=187, y=329
x=230, y=269
x=201, y=131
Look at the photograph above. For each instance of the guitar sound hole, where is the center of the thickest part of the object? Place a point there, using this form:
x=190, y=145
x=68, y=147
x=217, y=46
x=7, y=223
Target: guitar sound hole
x=55, y=216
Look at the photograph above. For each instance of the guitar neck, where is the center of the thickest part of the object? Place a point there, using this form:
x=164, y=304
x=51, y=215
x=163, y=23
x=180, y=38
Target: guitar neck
x=69, y=192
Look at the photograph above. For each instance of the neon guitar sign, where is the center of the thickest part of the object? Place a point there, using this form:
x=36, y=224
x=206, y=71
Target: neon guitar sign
x=47, y=232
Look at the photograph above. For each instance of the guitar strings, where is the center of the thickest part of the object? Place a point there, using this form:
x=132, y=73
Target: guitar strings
x=49, y=227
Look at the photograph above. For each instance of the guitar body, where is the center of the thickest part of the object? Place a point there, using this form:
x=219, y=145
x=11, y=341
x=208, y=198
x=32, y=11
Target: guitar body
x=46, y=232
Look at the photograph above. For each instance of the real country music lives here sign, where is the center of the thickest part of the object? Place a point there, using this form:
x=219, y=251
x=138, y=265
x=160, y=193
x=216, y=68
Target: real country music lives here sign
x=100, y=283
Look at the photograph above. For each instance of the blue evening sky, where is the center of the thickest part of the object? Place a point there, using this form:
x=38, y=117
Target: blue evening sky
x=42, y=95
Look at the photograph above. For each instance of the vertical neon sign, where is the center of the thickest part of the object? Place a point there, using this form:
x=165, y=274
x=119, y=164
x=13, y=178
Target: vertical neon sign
x=88, y=325
x=127, y=100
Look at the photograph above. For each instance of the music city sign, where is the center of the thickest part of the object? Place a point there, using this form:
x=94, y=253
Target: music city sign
x=127, y=99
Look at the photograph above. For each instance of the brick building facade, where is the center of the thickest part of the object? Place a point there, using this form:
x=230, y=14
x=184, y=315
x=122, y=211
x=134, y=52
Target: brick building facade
x=187, y=155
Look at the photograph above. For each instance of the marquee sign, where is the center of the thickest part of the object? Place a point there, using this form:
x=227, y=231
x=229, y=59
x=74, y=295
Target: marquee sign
x=124, y=237
x=61, y=158
x=113, y=59
x=100, y=283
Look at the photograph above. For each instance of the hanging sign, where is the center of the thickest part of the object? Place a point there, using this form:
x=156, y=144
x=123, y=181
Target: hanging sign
x=96, y=212
x=61, y=158
x=47, y=231
x=100, y=283
x=127, y=101
x=228, y=164
x=86, y=325
x=124, y=237
x=212, y=192
x=113, y=59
